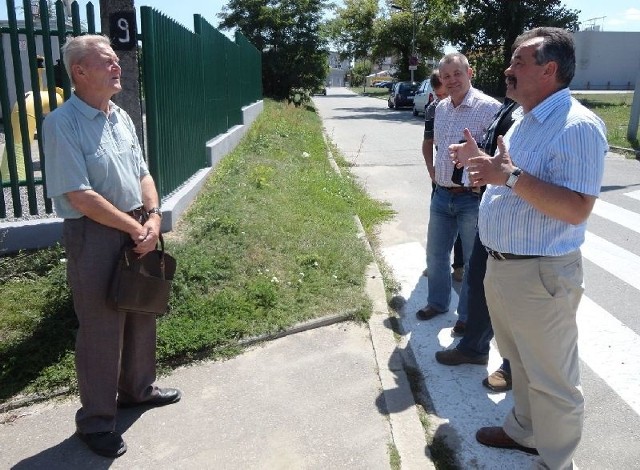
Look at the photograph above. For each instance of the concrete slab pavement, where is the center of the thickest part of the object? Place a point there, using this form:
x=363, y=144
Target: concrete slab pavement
x=312, y=400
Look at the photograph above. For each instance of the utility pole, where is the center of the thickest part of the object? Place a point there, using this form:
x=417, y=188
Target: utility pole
x=118, y=21
x=634, y=118
x=413, y=60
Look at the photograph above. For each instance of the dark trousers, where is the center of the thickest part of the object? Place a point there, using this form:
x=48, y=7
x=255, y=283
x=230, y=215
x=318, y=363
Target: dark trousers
x=458, y=260
x=115, y=351
x=478, y=331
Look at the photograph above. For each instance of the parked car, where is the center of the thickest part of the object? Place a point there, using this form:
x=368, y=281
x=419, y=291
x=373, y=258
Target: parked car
x=424, y=96
x=401, y=95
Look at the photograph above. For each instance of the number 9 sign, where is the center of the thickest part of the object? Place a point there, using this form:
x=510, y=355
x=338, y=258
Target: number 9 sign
x=122, y=30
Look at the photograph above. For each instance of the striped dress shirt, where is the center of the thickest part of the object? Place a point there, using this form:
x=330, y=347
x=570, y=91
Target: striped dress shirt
x=476, y=113
x=560, y=142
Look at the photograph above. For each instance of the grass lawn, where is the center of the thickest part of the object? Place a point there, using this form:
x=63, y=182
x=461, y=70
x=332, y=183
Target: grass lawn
x=269, y=242
x=615, y=111
x=382, y=93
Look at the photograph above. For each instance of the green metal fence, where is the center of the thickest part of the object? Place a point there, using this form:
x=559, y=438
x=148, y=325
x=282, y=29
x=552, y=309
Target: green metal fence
x=195, y=85
x=22, y=166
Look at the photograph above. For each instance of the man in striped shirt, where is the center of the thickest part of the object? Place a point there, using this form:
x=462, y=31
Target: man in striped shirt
x=542, y=185
x=454, y=203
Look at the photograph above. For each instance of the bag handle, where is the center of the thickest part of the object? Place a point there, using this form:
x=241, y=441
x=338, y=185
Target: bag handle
x=127, y=250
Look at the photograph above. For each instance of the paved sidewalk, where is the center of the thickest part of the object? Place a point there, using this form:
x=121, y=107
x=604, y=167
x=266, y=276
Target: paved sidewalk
x=317, y=399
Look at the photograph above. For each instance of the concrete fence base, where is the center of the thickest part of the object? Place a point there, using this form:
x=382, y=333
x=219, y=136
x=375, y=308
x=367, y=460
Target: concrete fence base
x=42, y=233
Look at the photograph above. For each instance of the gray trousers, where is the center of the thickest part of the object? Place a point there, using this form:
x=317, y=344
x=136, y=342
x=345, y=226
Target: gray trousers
x=115, y=352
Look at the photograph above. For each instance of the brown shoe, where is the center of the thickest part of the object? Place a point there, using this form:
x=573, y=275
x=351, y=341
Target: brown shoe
x=453, y=357
x=499, y=381
x=494, y=436
x=458, y=329
x=458, y=274
x=427, y=313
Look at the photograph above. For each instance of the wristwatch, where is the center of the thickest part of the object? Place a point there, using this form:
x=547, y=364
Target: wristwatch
x=513, y=178
x=155, y=210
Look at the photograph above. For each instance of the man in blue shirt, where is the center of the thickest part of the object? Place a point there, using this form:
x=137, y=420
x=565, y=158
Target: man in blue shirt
x=542, y=185
x=101, y=186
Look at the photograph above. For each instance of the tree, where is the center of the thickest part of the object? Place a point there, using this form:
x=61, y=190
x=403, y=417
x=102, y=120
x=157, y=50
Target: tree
x=485, y=31
x=422, y=21
x=352, y=31
x=288, y=34
x=359, y=72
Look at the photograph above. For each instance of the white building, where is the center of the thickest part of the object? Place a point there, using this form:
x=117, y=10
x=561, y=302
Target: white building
x=606, y=60
x=337, y=69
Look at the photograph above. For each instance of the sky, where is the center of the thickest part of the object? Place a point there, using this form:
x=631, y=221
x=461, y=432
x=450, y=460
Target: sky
x=619, y=15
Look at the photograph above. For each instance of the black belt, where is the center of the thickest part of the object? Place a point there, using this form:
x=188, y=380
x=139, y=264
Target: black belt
x=505, y=256
x=460, y=189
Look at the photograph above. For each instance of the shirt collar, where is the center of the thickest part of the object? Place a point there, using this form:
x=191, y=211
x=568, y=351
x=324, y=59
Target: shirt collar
x=549, y=104
x=89, y=111
x=468, y=101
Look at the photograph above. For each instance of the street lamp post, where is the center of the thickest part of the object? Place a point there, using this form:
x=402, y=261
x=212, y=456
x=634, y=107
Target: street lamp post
x=413, y=63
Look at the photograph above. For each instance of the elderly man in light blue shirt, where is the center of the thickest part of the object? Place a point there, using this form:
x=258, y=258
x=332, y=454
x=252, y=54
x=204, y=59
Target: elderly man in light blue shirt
x=543, y=183
x=101, y=186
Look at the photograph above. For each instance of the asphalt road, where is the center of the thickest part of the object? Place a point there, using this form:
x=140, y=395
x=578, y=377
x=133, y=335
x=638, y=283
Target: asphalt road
x=384, y=147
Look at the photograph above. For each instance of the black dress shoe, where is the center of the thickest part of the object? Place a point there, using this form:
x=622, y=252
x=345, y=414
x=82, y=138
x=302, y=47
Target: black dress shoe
x=108, y=444
x=164, y=396
x=453, y=357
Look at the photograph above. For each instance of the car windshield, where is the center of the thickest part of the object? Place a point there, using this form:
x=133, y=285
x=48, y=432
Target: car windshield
x=406, y=87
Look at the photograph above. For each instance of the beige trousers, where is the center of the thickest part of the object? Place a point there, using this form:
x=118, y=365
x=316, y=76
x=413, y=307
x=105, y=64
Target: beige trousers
x=533, y=306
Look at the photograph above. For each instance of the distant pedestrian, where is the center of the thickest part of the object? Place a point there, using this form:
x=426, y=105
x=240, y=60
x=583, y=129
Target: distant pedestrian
x=542, y=186
x=101, y=186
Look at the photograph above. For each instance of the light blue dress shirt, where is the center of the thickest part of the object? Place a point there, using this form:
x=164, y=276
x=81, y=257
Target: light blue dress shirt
x=560, y=142
x=86, y=149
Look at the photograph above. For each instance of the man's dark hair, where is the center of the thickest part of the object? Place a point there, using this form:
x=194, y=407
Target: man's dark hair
x=557, y=46
x=434, y=79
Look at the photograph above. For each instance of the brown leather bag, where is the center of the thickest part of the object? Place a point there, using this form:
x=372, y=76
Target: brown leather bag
x=142, y=285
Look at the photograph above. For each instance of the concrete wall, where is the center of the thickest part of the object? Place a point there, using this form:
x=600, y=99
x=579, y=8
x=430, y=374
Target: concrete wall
x=606, y=60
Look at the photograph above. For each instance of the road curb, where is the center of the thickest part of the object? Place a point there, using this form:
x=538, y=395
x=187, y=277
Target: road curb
x=406, y=429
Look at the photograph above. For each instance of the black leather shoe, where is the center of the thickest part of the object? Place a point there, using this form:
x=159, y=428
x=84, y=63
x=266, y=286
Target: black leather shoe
x=164, y=396
x=108, y=444
x=427, y=313
x=453, y=357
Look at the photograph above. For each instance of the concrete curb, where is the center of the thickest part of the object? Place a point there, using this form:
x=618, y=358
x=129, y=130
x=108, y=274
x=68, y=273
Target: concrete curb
x=407, y=431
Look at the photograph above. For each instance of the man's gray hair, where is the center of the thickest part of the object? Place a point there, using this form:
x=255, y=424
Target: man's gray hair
x=557, y=46
x=75, y=49
x=454, y=57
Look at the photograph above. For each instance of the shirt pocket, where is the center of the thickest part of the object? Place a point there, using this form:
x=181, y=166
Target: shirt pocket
x=97, y=165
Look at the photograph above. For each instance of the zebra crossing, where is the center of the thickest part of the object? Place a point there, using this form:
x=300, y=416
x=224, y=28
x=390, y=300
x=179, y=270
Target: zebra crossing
x=609, y=348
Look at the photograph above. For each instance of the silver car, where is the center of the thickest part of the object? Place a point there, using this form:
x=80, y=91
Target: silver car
x=424, y=96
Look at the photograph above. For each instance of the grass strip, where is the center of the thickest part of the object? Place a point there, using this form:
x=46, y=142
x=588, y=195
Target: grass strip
x=268, y=243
